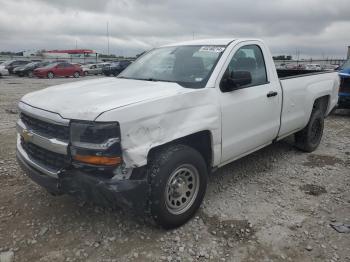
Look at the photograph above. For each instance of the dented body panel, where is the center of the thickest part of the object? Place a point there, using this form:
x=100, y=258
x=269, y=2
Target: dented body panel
x=148, y=124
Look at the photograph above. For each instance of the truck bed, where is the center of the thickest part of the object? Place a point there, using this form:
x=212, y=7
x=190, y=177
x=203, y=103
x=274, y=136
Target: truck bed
x=289, y=73
x=301, y=90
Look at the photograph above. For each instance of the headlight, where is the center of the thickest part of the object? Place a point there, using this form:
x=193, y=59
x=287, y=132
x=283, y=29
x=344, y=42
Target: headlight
x=95, y=143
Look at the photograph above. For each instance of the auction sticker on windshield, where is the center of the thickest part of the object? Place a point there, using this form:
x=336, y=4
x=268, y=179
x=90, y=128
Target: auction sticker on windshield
x=214, y=49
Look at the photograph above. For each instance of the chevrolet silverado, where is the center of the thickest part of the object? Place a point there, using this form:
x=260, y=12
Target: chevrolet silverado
x=148, y=139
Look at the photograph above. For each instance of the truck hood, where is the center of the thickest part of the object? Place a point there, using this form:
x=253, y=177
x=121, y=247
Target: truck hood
x=86, y=100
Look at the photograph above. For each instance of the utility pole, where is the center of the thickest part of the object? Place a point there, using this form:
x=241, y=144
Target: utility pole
x=297, y=53
x=76, y=44
x=107, y=37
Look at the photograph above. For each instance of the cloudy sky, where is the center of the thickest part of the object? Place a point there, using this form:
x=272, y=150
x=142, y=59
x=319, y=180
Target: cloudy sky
x=317, y=28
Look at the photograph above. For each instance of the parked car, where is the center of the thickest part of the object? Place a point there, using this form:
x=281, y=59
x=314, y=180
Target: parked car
x=12, y=64
x=147, y=139
x=28, y=69
x=94, y=69
x=3, y=71
x=58, y=70
x=344, y=90
x=313, y=67
x=115, y=68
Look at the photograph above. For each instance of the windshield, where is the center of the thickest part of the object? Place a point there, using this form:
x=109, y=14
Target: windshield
x=31, y=64
x=189, y=66
x=50, y=65
x=345, y=65
x=7, y=63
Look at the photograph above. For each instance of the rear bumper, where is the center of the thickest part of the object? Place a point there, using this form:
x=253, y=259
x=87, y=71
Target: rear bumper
x=131, y=194
x=4, y=72
x=344, y=100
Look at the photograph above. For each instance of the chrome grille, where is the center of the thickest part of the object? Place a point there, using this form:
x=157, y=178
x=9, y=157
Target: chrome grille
x=45, y=158
x=46, y=129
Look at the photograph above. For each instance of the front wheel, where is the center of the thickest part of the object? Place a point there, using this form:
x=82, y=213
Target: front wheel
x=310, y=137
x=50, y=75
x=178, y=175
x=76, y=74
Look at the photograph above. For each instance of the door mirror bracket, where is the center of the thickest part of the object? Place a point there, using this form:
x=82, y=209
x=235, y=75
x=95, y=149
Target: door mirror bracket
x=236, y=80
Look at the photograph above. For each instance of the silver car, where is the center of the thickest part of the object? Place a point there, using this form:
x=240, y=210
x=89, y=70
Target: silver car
x=94, y=69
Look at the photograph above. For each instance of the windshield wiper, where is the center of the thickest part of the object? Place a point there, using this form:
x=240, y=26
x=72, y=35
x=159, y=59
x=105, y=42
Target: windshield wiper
x=146, y=79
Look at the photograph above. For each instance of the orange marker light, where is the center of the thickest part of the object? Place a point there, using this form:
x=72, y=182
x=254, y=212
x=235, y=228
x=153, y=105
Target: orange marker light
x=98, y=160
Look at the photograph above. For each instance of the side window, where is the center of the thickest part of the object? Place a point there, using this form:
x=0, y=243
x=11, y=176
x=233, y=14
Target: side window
x=250, y=59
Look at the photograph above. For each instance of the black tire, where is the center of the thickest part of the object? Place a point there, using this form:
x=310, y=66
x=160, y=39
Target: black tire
x=164, y=166
x=310, y=137
x=50, y=75
x=86, y=73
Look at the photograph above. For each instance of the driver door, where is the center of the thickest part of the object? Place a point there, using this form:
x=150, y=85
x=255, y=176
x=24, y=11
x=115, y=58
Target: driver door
x=250, y=117
x=60, y=69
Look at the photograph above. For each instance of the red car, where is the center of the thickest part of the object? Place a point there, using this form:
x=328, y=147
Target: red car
x=62, y=69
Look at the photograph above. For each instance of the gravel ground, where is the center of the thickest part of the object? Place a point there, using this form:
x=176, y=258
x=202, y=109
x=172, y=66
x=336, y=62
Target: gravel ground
x=274, y=205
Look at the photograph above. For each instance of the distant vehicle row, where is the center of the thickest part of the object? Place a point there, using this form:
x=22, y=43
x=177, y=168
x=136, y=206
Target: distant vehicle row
x=107, y=69
x=309, y=67
x=60, y=68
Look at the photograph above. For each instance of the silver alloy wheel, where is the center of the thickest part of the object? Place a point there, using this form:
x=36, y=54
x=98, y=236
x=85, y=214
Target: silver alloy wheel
x=181, y=189
x=76, y=74
x=50, y=75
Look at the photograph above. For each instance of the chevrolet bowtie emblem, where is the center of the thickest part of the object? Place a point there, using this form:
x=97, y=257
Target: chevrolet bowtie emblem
x=27, y=135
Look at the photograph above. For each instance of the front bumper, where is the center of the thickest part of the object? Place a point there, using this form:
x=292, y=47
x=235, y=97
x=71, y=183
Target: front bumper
x=40, y=74
x=131, y=194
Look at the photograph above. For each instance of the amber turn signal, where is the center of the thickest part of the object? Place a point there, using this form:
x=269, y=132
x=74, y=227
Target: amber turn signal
x=98, y=160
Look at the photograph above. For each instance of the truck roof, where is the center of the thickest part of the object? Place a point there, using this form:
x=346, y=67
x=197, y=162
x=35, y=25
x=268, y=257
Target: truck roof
x=218, y=41
x=214, y=41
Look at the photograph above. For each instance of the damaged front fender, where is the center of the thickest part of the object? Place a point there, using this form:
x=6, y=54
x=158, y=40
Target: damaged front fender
x=152, y=123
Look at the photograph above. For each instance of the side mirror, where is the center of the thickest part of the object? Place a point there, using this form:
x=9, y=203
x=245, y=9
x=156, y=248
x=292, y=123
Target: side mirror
x=237, y=80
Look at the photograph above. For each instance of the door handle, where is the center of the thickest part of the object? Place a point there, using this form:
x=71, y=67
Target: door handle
x=271, y=94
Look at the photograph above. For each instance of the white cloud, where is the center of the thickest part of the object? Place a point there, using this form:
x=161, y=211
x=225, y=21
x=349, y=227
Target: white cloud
x=315, y=27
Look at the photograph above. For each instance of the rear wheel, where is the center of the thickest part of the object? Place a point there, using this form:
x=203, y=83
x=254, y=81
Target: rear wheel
x=30, y=74
x=50, y=75
x=86, y=73
x=178, y=175
x=76, y=74
x=310, y=137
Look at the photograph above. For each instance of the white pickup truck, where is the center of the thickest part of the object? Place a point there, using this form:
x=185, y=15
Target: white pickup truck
x=148, y=139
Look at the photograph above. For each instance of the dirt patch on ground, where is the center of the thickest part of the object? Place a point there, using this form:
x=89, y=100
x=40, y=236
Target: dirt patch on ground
x=313, y=190
x=232, y=229
x=322, y=161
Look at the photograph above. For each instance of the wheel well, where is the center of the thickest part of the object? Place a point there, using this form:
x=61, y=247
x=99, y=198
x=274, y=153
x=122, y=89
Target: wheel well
x=321, y=103
x=201, y=141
